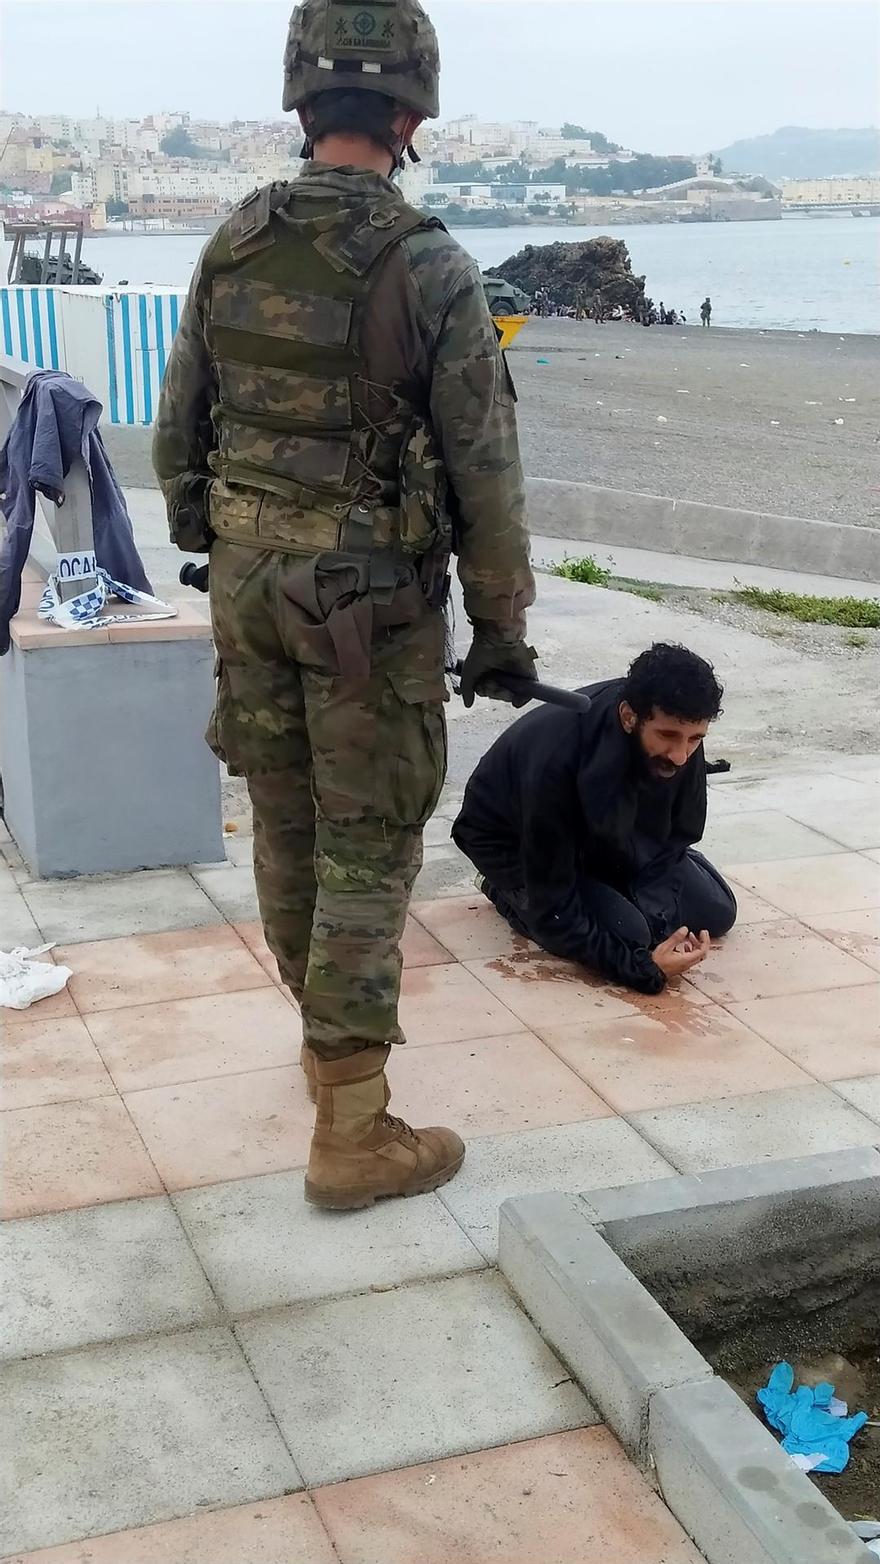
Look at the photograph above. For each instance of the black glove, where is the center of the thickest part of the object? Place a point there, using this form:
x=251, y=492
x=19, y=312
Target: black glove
x=487, y=658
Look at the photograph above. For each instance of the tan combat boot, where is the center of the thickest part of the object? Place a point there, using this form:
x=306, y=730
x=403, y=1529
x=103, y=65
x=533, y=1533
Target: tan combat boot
x=359, y=1152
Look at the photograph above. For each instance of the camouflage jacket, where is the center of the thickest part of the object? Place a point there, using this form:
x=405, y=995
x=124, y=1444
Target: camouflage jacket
x=429, y=327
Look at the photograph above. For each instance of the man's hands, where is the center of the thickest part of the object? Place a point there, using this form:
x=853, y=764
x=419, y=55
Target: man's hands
x=681, y=951
x=487, y=658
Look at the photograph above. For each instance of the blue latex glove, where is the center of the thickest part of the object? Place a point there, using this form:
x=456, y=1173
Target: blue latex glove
x=805, y=1422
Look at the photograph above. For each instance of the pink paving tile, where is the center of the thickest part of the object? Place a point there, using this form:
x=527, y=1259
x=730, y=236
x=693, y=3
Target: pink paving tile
x=656, y=1061
x=447, y=1005
x=421, y=949
x=255, y=939
x=490, y=1086
x=72, y=1154
x=285, y=1529
x=808, y=887
x=469, y=927
x=751, y=908
x=190, y=1039
x=832, y=1035
x=234, y=1126
x=855, y=932
x=49, y=1061
x=148, y=968
x=568, y=1498
x=775, y=958
x=545, y=992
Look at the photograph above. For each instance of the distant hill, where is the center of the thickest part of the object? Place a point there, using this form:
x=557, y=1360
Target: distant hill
x=795, y=152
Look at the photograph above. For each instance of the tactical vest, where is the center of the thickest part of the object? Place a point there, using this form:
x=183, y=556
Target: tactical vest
x=301, y=464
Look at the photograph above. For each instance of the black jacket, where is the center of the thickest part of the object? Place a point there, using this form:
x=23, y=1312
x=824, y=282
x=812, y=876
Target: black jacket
x=560, y=797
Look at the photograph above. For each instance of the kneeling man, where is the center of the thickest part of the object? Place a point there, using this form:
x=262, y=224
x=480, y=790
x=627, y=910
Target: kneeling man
x=583, y=824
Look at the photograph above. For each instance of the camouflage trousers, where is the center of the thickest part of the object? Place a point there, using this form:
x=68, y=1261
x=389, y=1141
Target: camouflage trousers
x=342, y=779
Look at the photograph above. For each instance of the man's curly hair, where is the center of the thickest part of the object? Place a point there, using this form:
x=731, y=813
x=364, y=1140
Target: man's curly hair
x=674, y=680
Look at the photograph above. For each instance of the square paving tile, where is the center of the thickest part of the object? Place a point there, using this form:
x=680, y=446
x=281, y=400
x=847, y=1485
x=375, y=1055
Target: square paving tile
x=828, y=1034
x=422, y=1372
x=187, y=1427
x=191, y=1039
x=809, y=887
x=72, y=1154
x=751, y=909
x=252, y=934
x=88, y=1276
x=232, y=890
x=760, y=835
x=858, y=933
x=854, y=823
x=469, y=927
x=419, y=948
x=113, y=905
x=568, y=1498
x=489, y=1086
x=17, y=926
x=263, y=1247
x=446, y=1005
x=600, y=1154
x=864, y=1094
x=49, y=1061
x=148, y=968
x=761, y=1127
x=649, y=1061
x=546, y=992
x=232, y=1126
x=861, y=768
x=272, y=1531
x=765, y=959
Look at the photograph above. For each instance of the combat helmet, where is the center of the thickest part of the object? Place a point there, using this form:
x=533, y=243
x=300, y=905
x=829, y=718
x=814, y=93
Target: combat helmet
x=384, y=46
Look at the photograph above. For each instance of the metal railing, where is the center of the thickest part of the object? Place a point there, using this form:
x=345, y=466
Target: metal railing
x=70, y=523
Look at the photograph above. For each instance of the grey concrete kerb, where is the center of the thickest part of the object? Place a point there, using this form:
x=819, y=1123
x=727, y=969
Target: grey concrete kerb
x=723, y=1475
x=616, y=516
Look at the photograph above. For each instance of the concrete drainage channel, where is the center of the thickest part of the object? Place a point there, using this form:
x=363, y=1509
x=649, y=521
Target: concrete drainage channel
x=637, y=1289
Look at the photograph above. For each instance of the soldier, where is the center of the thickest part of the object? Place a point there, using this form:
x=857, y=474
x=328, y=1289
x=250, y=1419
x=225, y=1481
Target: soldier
x=336, y=418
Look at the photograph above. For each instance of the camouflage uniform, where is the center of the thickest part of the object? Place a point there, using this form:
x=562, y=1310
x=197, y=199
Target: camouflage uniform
x=334, y=398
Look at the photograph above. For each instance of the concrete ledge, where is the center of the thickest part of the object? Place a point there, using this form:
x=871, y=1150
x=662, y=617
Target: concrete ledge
x=732, y=1488
x=563, y=509
x=606, y=1327
x=720, y=1470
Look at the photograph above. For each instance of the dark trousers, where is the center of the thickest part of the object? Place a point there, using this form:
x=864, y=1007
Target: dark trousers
x=694, y=896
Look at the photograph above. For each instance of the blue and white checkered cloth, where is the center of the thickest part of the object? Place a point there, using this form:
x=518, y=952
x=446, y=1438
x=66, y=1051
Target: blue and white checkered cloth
x=86, y=612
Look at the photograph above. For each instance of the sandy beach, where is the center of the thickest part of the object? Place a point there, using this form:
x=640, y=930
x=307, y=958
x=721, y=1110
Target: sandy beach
x=751, y=417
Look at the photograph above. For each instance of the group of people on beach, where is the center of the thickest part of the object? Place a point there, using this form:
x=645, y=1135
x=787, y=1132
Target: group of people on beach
x=599, y=310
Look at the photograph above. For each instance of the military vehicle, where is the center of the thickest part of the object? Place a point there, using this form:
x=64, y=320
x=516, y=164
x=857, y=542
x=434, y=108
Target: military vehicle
x=504, y=298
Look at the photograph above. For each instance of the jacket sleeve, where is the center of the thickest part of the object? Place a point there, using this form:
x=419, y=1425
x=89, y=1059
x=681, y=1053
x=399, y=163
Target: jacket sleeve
x=184, y=435
x=473, y=414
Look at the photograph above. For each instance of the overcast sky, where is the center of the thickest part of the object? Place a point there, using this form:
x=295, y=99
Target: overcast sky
x=657, y=75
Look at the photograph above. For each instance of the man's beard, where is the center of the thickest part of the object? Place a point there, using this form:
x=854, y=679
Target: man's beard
x=652, y=768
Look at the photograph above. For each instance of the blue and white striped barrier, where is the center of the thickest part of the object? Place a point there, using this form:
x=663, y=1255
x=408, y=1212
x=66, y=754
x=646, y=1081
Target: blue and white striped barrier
x=29, y=326
x=116, y=340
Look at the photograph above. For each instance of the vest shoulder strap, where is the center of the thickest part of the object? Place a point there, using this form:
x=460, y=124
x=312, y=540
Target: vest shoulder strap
x=368, y=233
x=250, y=226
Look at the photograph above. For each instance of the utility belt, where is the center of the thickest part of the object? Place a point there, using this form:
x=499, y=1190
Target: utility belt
x=345, y=584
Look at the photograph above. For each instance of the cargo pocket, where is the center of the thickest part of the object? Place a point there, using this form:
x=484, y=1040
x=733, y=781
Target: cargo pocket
x=217, y=735
x=417, y=748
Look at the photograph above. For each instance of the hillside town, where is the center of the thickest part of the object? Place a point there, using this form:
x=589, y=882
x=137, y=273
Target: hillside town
x=169, y=170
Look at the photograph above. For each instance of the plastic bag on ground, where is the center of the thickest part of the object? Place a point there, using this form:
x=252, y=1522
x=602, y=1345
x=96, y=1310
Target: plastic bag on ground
x=24, y=980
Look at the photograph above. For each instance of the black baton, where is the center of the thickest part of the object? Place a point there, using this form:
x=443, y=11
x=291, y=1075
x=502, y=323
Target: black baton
x=548, y=693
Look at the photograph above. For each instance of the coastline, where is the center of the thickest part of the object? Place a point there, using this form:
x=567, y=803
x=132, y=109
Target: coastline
x=748, y=416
